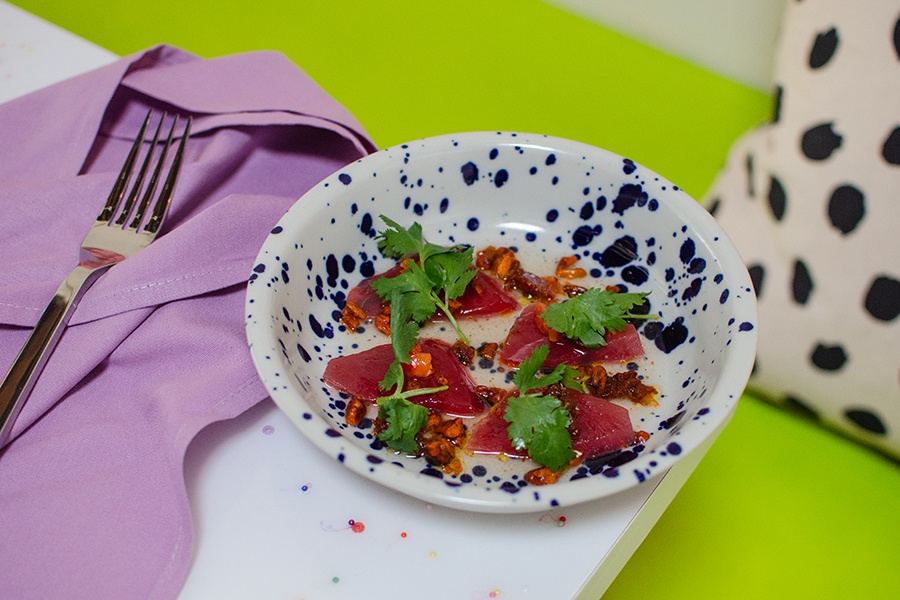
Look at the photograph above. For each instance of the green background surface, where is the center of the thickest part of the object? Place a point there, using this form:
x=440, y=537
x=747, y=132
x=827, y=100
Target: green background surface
x=779, y=508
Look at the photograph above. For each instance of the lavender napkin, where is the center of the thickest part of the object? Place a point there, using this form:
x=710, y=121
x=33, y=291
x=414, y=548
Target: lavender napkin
x=92, y=494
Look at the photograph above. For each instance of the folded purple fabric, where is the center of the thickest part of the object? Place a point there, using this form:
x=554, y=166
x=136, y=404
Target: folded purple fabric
x=92, y=495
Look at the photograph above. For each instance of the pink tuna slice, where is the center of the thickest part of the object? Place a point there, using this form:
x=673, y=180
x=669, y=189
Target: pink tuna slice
x=600, y=427
x=359, y=374
x=490, y=436
x=526, y=335
x=483, y=297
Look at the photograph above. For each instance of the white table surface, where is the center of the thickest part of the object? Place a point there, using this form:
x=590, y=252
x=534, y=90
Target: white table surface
x=272, y=514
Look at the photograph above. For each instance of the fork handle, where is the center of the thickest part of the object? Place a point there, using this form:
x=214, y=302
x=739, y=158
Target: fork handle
x=23, y=373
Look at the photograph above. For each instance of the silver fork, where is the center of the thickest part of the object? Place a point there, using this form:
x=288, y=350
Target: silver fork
x=110, y=240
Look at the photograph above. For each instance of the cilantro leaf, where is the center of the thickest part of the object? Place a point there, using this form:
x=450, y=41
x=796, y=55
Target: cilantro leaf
x=393, y=377
x=571, y=378
x=451, y=271
x=404, y=335
x=537, y=422
x=526, y=379
x=421, y=304
x=404, y=420
x=540, y=425
x=397, y=242
x=587, y=318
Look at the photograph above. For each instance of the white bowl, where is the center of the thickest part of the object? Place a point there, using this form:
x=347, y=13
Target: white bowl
x=546, y=197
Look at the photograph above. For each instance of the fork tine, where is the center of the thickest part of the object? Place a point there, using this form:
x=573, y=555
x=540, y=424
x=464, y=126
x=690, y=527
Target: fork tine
x=138, y=184
x=165, y=195
x=154, y=179
x=118, y=189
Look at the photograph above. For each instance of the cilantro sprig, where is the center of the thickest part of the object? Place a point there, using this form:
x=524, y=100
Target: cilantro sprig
x=539, y=423
x=590, y=316
x=435, y=275
x=404, y=419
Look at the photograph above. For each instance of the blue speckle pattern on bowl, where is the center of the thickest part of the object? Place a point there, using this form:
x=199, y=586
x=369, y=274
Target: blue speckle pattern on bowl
x=547, y=198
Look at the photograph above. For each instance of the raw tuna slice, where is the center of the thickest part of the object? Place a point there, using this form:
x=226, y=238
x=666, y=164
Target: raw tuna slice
x=359, y=374
x=526, y=334
x=490, y=435
x=483, y=297
x=600, y=427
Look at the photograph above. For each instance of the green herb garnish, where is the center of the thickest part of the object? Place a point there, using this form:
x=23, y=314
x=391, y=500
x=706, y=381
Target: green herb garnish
x=587, y=318
x=537, y=422
x=404, y=420
x=435, y=275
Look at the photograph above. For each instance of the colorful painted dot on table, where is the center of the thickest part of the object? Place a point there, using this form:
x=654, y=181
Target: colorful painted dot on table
x=268, y=430
x=560, y=521
x=356, y=526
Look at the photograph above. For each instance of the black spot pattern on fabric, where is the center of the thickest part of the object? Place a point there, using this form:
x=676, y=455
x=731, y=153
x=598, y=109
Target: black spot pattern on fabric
x=757, y=276
x=801, y=282
x=777, y=198
x=811, y=203
x=800, y=407
x=820, y=141
x=891, y=148
x=883, y=298
x=897, y=38
x=748, y=165
x=823, y=48
x=776, y=103
x=867, y=420
x=829, y=358
x=846, y=208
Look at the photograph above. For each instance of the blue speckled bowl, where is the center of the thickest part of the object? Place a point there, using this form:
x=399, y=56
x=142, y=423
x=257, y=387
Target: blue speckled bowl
x=546, y=197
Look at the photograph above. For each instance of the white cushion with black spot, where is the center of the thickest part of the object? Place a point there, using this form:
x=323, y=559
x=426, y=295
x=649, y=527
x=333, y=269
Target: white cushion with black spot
x=812, y=201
